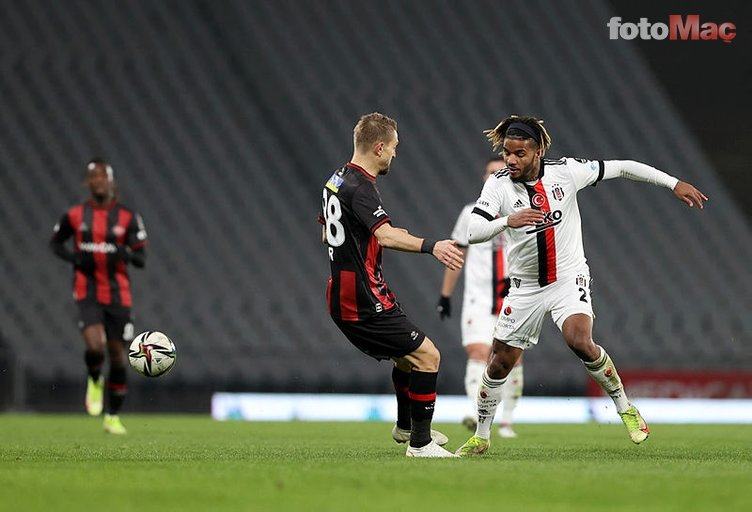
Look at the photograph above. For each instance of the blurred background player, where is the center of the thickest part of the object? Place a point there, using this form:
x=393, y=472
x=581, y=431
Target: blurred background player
x=107, y=236
x=534, y=202
x=356, y=230
x=486, y=285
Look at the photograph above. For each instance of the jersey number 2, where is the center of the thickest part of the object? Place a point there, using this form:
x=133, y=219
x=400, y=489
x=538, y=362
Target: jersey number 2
x=335, y=231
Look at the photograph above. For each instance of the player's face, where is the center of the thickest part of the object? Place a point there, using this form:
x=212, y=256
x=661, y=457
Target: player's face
x=99, y=182
x=522, y=158
x=387, y=153
x=492, y=167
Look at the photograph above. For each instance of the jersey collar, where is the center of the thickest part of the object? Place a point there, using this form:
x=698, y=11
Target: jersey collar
x=107, y=206
x=540, y=174
x=359, y=168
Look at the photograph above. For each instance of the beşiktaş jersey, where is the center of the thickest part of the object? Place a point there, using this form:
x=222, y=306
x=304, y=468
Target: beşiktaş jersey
x=98, y=231
x=485, y=266
x=352, y=211
x=553, y=247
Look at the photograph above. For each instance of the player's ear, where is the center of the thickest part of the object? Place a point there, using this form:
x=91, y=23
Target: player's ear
x=378, y=148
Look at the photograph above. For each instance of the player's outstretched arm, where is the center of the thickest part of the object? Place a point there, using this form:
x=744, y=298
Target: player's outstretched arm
x=447, y=252
x=638, y=171
x=399, y=239
x=689, y=194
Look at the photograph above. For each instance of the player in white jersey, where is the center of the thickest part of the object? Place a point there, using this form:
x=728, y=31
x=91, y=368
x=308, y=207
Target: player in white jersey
x=486, y=285
x=534, y=203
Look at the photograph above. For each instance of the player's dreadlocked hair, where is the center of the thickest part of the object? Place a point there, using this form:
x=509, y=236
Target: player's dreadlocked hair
x=519, y=127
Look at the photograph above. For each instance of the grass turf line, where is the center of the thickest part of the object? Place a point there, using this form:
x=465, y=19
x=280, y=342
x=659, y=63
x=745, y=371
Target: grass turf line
x=186, y=463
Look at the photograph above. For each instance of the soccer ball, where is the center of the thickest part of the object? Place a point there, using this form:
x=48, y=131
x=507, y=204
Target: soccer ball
x=152, y=353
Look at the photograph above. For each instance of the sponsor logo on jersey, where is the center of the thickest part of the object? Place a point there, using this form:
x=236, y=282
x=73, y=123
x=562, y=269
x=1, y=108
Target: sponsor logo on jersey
x=550, y=219
x=98, y=247
x=483, y=202
x=334, y=183
x=378, y=212
x=558, y=192
x=519, y=204
x=508, y=310
x=414, y=335
x=516, y=281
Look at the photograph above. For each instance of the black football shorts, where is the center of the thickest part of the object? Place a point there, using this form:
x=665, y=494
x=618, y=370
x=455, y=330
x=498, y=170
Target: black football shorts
x=383, y=336
x=117, y=321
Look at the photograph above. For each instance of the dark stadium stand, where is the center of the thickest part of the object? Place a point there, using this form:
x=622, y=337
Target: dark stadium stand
x=223, y=120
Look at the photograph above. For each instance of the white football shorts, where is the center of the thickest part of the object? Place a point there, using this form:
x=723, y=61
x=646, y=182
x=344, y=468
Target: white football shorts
x=521, y=319
x=477, y=327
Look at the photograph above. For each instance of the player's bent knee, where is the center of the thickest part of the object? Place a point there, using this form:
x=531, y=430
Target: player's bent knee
x=478, y=351
x=498, y=368
x=426, y=358
x=584, y=347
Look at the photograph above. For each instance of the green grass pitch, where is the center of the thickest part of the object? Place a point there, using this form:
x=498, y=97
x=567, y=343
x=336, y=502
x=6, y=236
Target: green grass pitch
x=187, y=463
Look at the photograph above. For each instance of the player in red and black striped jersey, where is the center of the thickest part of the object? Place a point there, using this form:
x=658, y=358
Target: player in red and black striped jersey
x=356, y=229
x=107, y=237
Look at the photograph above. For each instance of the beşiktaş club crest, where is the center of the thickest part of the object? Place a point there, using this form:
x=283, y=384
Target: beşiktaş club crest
x=558, y=192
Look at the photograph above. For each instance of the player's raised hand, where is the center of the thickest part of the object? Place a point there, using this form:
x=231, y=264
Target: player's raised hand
x=689, y=194
x=447, y=253
x=525, y=217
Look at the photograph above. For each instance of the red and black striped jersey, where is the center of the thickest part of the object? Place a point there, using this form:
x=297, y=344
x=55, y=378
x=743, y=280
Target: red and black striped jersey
x=352, y=211
x=99, y=232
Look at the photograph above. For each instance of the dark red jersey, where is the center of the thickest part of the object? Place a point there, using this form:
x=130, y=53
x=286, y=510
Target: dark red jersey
x=352, y=211
x=100, y=234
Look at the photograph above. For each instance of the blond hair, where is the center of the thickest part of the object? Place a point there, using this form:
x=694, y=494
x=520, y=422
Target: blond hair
x=497, y=135
x=373, y=128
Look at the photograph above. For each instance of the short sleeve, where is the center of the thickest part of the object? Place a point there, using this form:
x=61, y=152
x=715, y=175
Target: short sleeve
x=366, y=205
x=136, y=236
x=585, y=172
x=459, y=232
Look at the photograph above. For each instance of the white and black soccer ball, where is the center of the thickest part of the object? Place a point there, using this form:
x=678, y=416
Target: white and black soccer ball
x=152, y=353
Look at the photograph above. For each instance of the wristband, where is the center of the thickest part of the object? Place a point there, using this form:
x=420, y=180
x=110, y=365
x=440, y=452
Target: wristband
x=427, y=246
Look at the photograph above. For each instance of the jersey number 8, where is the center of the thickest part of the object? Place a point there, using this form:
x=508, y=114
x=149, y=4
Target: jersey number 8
x=335, y=231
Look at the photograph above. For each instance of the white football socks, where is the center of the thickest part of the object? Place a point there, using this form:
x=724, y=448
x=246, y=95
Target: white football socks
x=510, y=394
x=488, y=398
x=473, y=373
x=604, y=373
